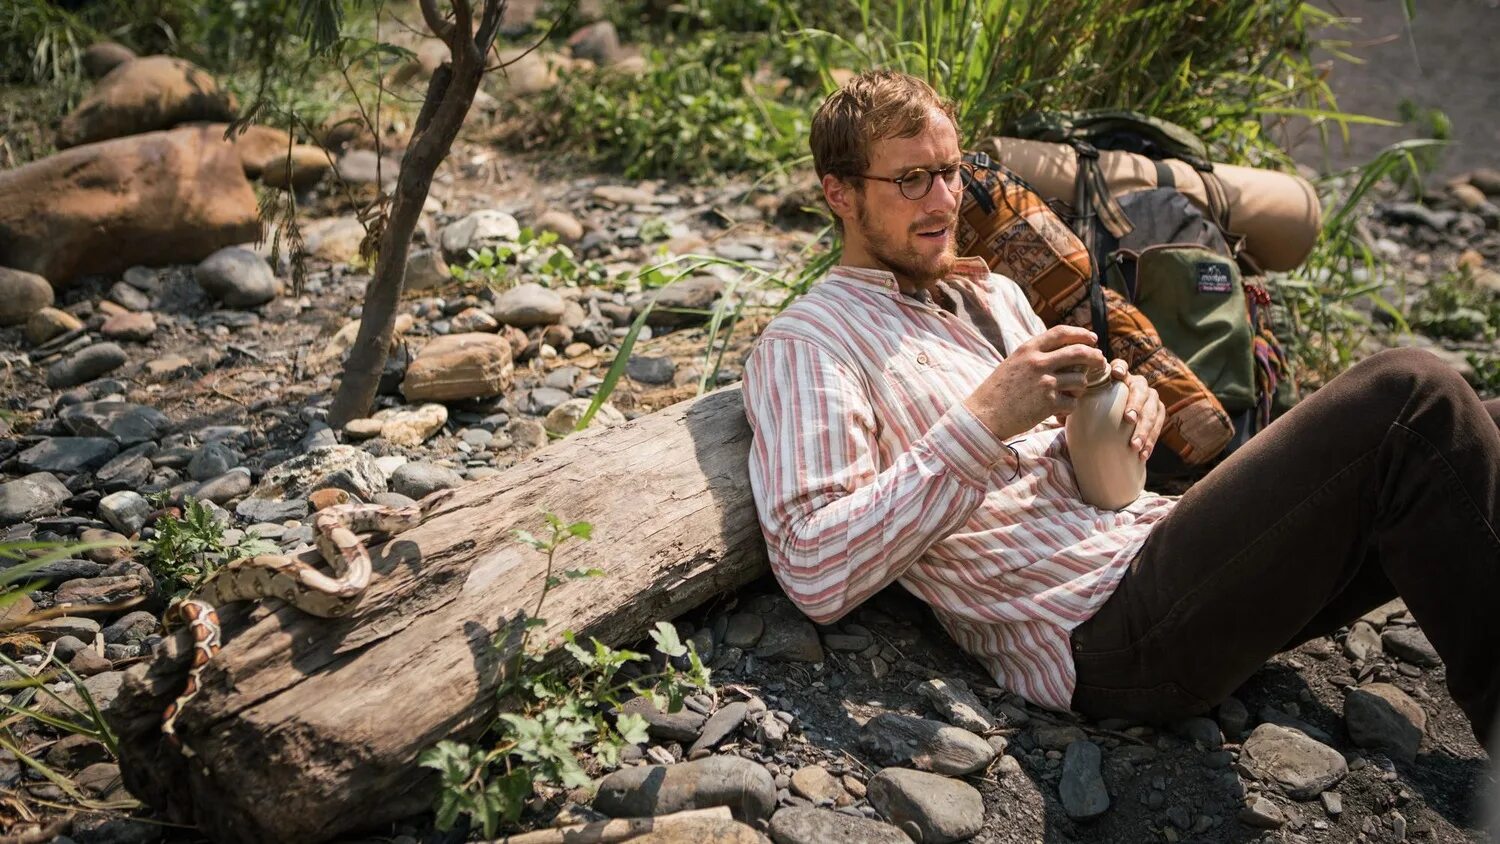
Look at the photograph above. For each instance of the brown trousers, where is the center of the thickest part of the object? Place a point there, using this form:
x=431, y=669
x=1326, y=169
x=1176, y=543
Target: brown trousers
x=1385, y=482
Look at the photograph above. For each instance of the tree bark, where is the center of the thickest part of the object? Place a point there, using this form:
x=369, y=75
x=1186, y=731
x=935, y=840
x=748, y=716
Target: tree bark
x=450, y=93
x=309, y=728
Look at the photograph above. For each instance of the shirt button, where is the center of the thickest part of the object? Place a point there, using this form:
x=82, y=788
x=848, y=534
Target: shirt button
x=922, y=358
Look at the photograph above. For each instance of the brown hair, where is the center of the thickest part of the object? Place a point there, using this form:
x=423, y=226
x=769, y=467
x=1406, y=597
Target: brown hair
x=873, y=106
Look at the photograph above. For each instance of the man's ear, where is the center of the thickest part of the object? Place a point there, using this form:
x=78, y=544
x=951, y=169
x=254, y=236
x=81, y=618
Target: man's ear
x=840, y=196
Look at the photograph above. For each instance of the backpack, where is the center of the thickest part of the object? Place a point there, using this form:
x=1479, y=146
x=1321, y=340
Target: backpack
x=1180, y=266
x=1003, y=220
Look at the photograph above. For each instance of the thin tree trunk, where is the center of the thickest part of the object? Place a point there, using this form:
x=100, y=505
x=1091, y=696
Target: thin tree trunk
x=450, y=93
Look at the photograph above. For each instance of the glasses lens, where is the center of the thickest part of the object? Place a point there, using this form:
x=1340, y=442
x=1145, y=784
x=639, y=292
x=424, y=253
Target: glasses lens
x=916, y=184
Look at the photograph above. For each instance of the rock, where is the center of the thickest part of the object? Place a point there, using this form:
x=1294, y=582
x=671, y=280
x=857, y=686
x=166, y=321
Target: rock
x=335, y=239
x=598, y=42
x=817, y=785
x=73, y=752
x=895, y=739
x=67, y=455
x=303, y=168
x=121, y=582
x=411, y=427
x=651, y=369
x=460, y=366
x=1304, y=768
x=1203, y=732
x=1082, y=790
x=364, y=167
x=34, y=495
x=684, y=725
x=419, y=479
x=224, y=488
x=561, y=223
x=821, y=826
x=1234, y=717
x=1059, y=736
x=1384, y=718
x=64, y=570
x=144, y=95
x=237, y=277
x=742, y=785
x=563, y=419
x=957, y=705
x=720, y=726
x=1486, y=179
x=136, y=327
x=544, y=400
x=744, y=630
x=85, y=365
x=529, y=305
x=339, y=466
x=265, y=510
x=1411, y=644
x=159, y=198
x=128, y=297
x=1333, y=803
x=1261, y=813
x=117, y=549
x=125, y=511
x=1272, y=715
x=103, y=56
x=101, y=779
x=131, y=629
x=846, y=643
x=426, y=269
x=1467, y=196
x=22, y=294
x=123, y=422
x=211, y=460
x=473, y=319
x=481, y=229
x=790, y=640
x=692, y=294
x=48, y=323
x=1362, y=642
x=939, y=809
x=52, y=629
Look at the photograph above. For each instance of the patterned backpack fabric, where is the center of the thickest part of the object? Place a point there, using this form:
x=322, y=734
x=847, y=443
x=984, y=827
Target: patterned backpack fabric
x=1005, y=222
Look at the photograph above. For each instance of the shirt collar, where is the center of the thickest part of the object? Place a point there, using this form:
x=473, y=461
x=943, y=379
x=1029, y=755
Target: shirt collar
x=971, y=269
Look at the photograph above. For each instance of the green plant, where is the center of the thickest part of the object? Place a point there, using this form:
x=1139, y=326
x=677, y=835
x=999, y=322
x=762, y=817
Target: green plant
x=1486, y=372
x=1321, y=325
x=186, y=550
x=550, y=716
x=1458, y=308
x=536, y=257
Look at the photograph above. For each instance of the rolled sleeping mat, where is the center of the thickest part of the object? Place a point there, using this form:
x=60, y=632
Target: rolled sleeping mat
x=1278, y=213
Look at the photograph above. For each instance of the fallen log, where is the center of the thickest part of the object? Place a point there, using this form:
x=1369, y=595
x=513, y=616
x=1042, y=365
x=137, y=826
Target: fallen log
x=309, y=728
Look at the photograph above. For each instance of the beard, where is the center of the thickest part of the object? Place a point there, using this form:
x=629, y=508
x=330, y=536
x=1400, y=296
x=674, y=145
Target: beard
x=906, y=262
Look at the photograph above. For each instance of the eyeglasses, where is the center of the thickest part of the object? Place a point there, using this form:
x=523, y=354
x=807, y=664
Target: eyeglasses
x=918, y=182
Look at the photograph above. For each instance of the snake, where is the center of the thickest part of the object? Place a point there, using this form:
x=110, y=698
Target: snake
x=336, y=530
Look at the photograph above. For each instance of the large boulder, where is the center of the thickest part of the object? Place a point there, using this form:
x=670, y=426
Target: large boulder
x=144, y=95
x=154, y=199
x=254, y=143
x=104, y=56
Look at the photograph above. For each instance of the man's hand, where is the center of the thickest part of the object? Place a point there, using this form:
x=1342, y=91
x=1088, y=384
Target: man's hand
x=1043, y=377
x=1143, y=407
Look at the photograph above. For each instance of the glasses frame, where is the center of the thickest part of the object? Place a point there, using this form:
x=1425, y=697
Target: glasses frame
x=965, y=170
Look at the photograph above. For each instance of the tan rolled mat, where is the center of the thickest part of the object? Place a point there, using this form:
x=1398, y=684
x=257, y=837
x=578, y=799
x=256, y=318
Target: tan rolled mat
x=1278, y=213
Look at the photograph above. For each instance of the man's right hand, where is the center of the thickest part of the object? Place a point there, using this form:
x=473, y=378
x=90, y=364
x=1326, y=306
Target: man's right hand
x=1042, y=378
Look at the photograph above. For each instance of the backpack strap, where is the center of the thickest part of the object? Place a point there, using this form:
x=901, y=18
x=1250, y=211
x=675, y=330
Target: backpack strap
x=1089, y=189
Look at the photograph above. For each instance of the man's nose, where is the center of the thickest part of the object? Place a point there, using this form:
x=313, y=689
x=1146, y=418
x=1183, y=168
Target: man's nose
x=940, y=201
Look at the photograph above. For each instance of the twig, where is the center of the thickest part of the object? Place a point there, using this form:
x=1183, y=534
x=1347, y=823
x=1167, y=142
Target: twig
x=42, y=834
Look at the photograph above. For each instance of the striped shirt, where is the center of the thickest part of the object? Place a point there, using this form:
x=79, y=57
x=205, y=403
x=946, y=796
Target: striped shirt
x=867, y=468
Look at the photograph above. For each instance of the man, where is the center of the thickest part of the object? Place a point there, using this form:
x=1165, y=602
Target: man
x=907, y=415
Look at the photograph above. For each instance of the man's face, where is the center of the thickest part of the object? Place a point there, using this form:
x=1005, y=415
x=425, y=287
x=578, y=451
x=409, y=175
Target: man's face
x=913, y=238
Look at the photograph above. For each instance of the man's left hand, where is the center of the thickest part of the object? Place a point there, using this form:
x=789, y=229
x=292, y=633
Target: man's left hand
x=1142, y=407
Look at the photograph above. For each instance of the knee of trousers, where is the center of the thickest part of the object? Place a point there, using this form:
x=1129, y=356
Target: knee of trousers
x=1391, y=378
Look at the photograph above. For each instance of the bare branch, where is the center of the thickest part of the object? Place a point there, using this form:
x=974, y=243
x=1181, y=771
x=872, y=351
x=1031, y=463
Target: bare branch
x=489, y=23
x=434, y=19
x=556, y=22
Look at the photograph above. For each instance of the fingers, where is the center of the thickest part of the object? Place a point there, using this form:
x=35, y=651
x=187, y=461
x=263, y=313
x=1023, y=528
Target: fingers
x=1119, y=369
x=1059, y=336
x=1159, y=413
x=1077, y=357
x=1135, y=405
x=1071, y=383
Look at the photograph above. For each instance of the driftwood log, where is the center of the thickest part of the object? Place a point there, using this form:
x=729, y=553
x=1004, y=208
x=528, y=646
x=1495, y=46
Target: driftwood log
x=309, y=728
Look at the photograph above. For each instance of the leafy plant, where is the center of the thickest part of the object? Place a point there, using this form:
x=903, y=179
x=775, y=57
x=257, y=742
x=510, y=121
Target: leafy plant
x=537, y=257
x=549, y=716
x=1458, y=308
x=186, y=550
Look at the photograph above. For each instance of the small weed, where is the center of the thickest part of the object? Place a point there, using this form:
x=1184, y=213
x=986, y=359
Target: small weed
x=1457, y=308
x=186, y=550
x=534, y=257
x=550, y=717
